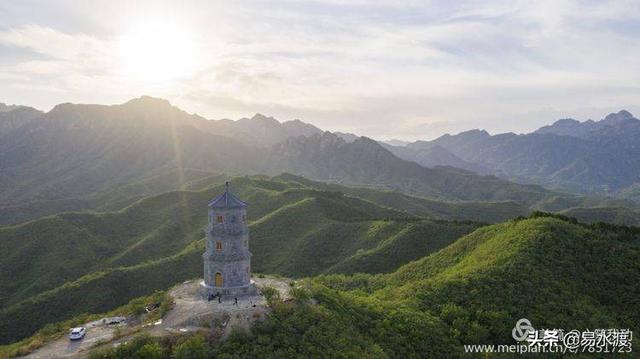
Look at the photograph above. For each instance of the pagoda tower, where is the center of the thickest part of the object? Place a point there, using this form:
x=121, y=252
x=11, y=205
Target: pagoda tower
x=227, y=260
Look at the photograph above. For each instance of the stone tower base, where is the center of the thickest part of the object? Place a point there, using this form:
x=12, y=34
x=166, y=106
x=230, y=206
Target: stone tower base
x=206, y=290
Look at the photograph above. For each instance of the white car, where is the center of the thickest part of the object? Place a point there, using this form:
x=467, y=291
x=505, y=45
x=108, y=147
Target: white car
x=77, y=333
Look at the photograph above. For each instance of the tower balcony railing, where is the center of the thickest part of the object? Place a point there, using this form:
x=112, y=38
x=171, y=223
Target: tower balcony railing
x=232, y=229
x=239, y=254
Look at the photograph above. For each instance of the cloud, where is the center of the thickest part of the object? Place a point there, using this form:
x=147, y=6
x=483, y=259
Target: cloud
x=61, y=63
x=406, y=69
x=50, y=42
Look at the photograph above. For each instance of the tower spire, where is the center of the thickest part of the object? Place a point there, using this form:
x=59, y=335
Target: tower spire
x=227, y=200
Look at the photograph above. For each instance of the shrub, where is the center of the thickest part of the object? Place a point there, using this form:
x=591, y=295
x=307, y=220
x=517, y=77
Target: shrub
x=150, y=351
x=299, y=294
x=271, y=295
x=192, y=348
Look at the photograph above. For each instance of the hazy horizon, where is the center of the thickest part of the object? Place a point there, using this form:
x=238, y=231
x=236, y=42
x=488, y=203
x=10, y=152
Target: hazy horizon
x=381, y=138
x=380, y=69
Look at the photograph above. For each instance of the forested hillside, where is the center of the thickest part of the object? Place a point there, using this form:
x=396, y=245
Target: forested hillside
x=112, y=257
x=554, y=271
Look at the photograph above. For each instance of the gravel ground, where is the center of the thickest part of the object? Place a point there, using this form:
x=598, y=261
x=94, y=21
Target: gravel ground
x=191, y=312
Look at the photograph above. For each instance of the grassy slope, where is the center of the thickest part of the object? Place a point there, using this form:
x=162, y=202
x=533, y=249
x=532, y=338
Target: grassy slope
x=149, y=229
x=116, y=197
x=98, y=292
x=404, y=242
x=324, y=236
x=477, y=211
x=113, y=257
x=163, y=224
x=556, y=273
x=48, y=252
x=586, y=209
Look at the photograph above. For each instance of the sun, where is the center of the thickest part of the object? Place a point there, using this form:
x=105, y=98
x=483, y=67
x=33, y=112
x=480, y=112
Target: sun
x=157, y=51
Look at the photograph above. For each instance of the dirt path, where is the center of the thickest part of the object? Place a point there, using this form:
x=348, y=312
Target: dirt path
x=190, y=313
x=65, y=348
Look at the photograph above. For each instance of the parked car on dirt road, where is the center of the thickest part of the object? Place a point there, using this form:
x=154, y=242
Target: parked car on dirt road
x=77, y=333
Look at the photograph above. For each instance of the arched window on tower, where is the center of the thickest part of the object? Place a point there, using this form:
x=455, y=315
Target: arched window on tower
x=220, y=218
x=218, y=246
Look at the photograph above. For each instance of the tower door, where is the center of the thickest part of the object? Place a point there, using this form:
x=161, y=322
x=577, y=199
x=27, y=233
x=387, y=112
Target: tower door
x=218, y=280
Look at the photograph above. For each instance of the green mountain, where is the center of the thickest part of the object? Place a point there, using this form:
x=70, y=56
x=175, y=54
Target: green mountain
x=557, y=273
x=112, y=257
x=163, y=224
x=551, y=270
x=554, y=271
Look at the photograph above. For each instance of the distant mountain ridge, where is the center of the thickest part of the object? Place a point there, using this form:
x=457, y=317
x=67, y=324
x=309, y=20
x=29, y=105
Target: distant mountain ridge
x=8, y=108
x=364, y=161
x=72, y=155
x=259, y=130
x=12, y=117
x=75, y=150
x=570, y=127
x=432, y=156
x=592, y=157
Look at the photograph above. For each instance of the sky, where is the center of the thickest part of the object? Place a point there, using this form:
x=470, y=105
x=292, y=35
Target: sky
x=384, y=69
